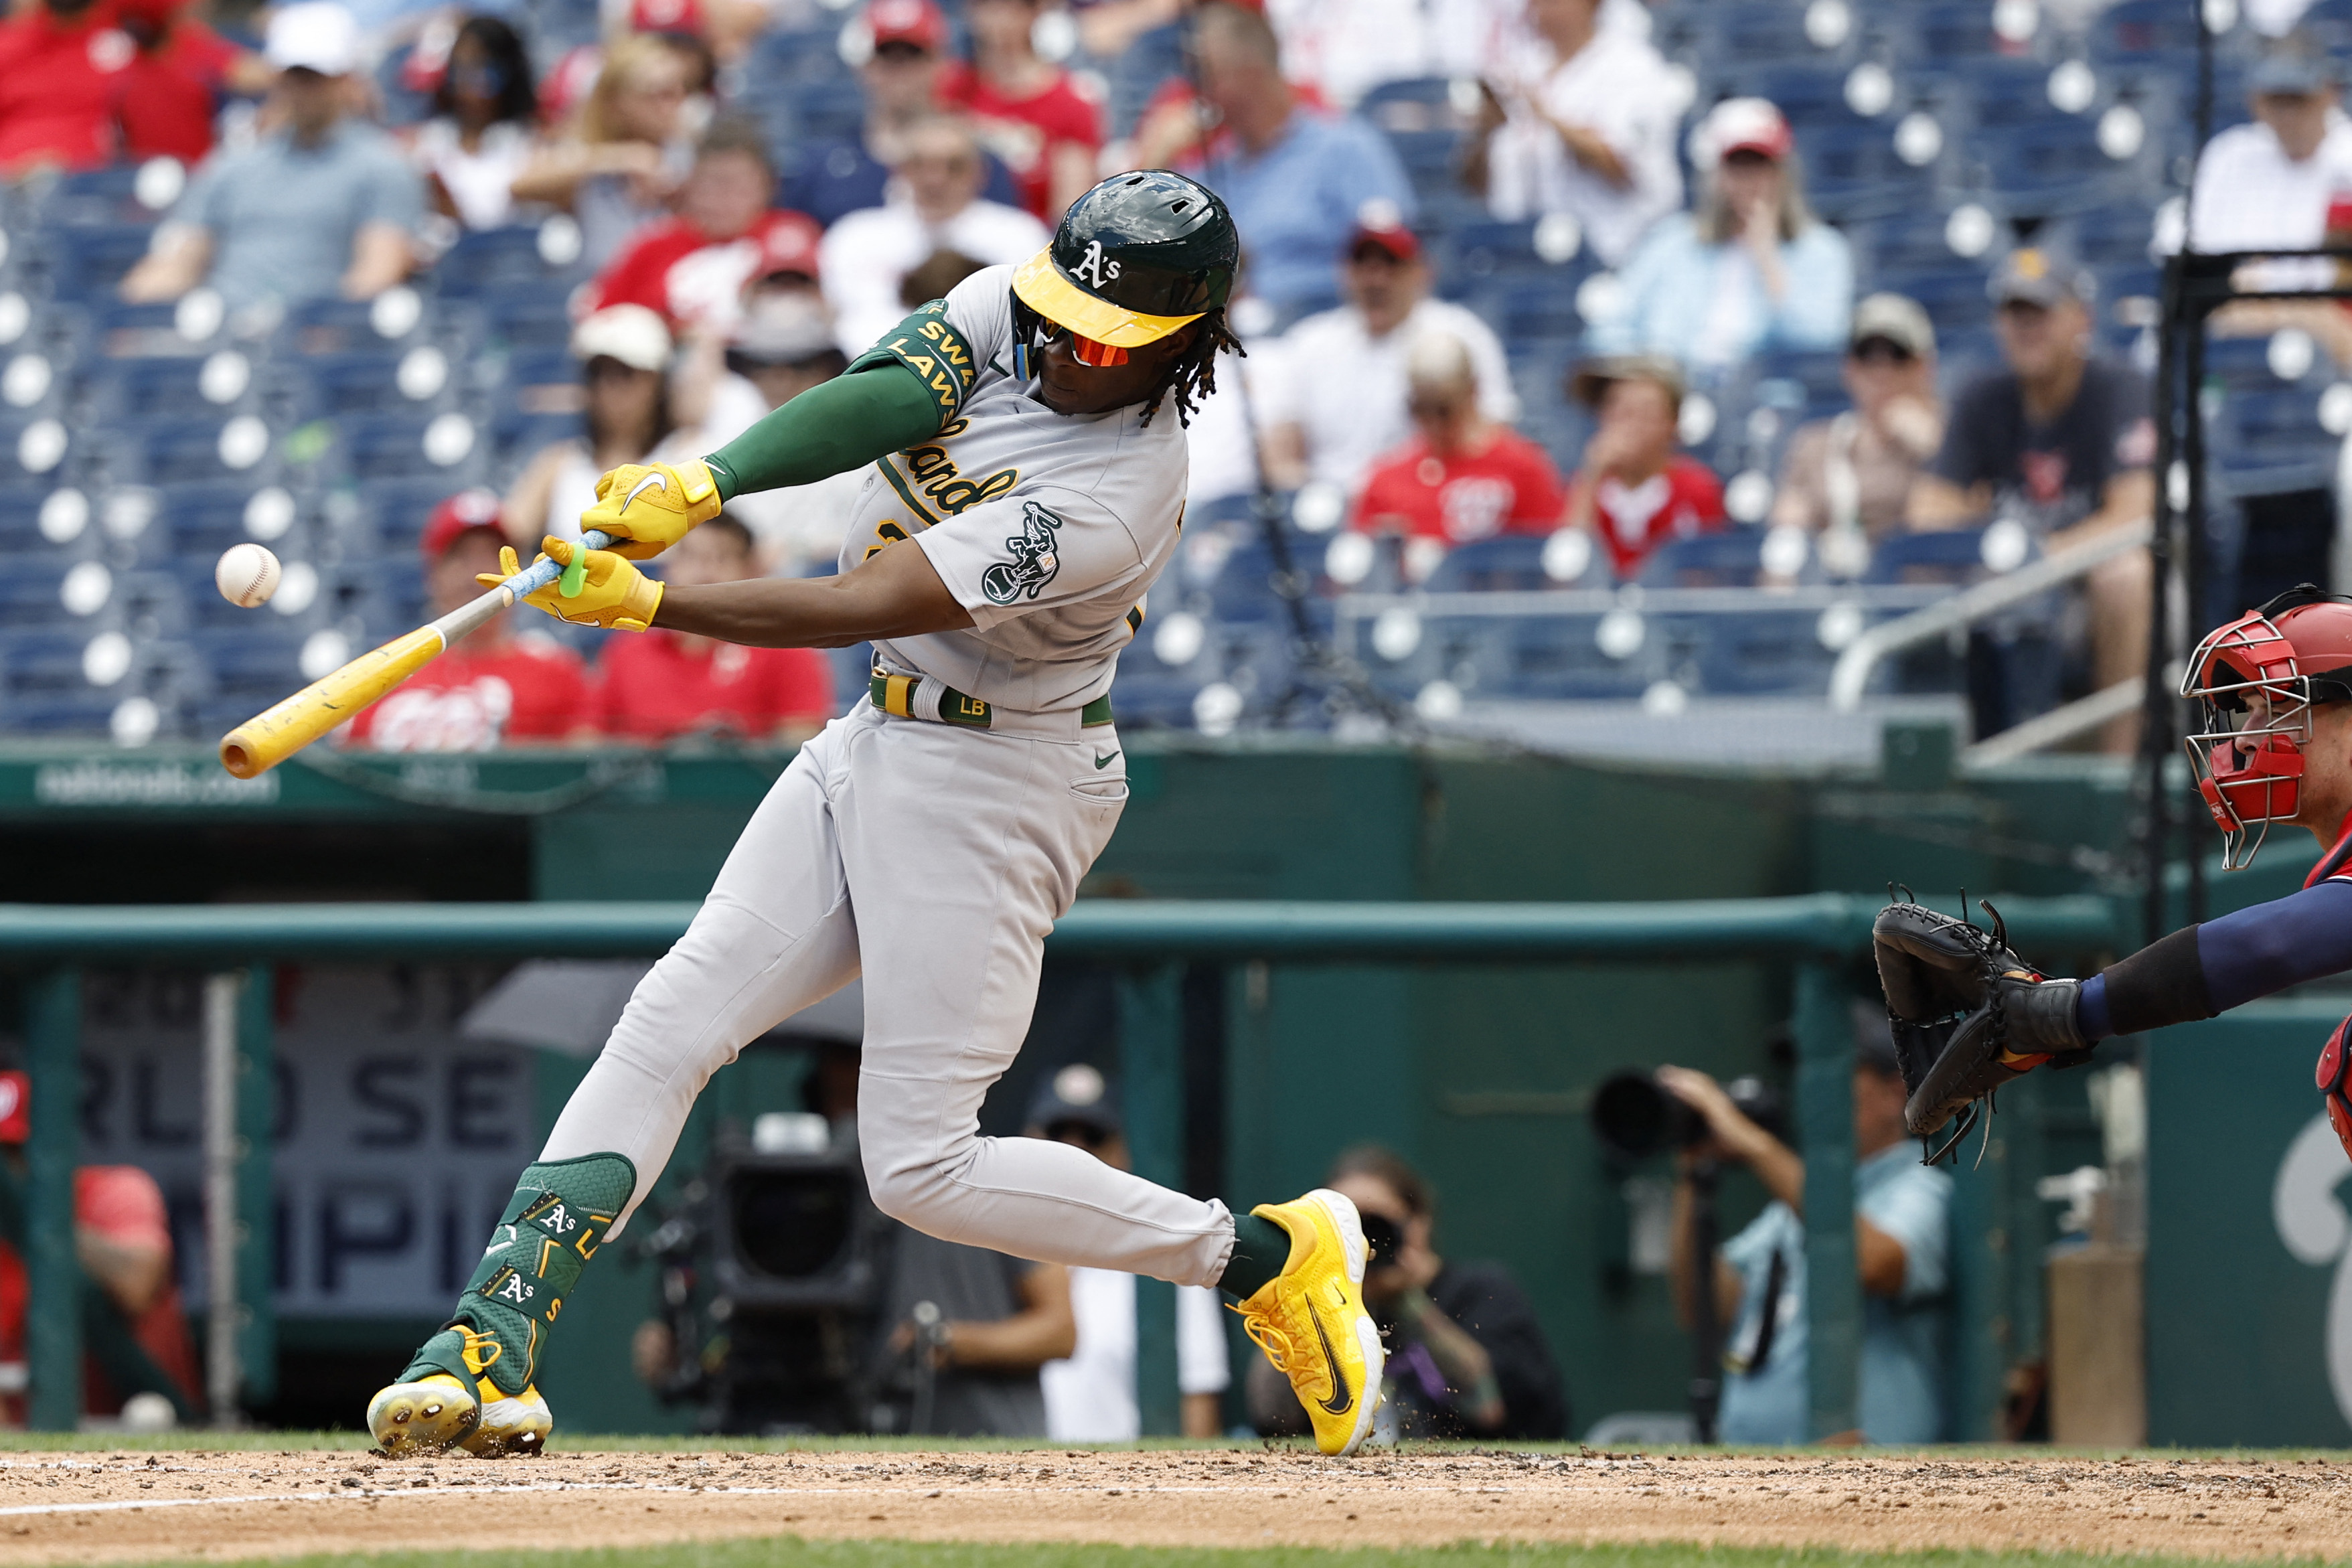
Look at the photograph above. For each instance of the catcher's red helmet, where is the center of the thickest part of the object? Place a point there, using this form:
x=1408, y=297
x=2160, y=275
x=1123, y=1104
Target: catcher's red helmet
x=2332, y=1086
x=2256, y=680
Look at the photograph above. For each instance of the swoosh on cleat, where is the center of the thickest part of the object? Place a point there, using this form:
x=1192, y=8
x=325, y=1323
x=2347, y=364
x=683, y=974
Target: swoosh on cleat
x=1343, y=1400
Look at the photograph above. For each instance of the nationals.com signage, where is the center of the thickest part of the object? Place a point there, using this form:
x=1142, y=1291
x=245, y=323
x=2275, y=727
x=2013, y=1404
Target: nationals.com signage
x=397, y=1143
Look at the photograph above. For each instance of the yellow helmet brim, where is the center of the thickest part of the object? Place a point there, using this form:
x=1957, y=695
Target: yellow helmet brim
x=1044, y=288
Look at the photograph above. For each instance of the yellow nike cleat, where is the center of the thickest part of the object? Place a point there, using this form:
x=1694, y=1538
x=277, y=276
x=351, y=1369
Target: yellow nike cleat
x=1311, y=1321
x=438, y=1411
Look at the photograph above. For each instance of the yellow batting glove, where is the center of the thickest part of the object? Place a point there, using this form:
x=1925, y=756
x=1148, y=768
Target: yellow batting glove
x=613, y=593
x=646, y=508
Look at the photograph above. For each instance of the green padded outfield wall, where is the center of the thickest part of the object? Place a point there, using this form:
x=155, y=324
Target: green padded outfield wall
x=2249, y=1276
x=1480, y=1075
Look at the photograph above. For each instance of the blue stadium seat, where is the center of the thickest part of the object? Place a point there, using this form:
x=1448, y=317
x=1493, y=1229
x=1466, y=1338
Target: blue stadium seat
x=173, y=451
x=87, y=263
x=1732, y=558
x=1507, y=563
x=2050, y=165
x=29, y=596
x=207, y=517
x=253, y=668
x=339, y=326
x=1949, y=555
x=31, y=456
x=486, y=258
x=358, y=382
x=2147, y=32
x=398, y=507
x=391, y=445
x=1557, y=659
x=1749, y=652
x=527, y=315
x=1855, y=174
x=126, y=391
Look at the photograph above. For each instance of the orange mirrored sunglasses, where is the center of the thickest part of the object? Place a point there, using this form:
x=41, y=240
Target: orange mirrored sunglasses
x=1101, y=356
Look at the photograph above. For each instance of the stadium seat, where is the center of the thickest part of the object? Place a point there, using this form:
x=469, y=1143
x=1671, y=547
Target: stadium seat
x=1508, y=563
x=176, y=451
x=1747, y=653
x=486, y=258
x=131, y=391
x=1557, y=659
x=87, y=263
x=1732, y=558
x=1948, y=555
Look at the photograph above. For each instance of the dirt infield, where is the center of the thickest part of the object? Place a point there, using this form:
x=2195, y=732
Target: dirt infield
x=102, y=1506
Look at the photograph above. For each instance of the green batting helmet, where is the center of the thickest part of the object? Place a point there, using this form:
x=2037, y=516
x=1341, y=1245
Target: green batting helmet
x=1135, y=259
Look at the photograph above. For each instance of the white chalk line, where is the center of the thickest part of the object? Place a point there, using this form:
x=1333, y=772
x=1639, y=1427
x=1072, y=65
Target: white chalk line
x=378, y=1494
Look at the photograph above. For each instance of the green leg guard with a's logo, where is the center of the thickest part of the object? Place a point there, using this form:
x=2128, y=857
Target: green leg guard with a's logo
x=559, y=1217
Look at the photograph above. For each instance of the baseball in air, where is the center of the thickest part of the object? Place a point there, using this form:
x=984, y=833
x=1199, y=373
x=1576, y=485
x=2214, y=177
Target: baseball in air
x=247, y=575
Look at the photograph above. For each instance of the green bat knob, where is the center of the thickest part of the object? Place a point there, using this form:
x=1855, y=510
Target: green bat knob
x=575, y=575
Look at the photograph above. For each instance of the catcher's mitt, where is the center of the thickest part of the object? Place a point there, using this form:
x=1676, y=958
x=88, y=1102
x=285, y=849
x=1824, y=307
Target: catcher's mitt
x=1969, y=1014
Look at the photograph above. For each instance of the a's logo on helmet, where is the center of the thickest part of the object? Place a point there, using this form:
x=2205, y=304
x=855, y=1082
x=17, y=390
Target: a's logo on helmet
x=1093, y=267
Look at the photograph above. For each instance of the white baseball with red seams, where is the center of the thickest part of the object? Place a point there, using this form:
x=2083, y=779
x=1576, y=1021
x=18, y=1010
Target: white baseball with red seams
x=246, y=575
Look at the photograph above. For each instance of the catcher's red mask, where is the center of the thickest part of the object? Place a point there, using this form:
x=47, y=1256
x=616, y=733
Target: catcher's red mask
x=2255, y=681
x=2331, y=1078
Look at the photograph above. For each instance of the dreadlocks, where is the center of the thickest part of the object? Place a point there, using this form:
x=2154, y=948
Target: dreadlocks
x=1192, y=374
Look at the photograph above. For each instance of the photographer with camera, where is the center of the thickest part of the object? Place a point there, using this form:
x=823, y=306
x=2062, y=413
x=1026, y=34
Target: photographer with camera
x=1901, y=1250
x=1468, y=1357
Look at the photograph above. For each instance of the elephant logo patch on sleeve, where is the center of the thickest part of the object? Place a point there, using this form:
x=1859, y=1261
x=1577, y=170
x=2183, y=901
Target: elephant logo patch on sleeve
x=1034, y=560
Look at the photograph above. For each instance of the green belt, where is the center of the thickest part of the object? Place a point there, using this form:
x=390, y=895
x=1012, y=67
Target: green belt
x=895, y=694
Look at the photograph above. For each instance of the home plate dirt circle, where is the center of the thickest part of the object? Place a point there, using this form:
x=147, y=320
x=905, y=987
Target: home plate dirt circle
x=98, y=1507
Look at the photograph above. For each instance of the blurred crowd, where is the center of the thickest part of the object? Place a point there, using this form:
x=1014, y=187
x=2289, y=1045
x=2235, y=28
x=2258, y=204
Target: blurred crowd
x=335, y=151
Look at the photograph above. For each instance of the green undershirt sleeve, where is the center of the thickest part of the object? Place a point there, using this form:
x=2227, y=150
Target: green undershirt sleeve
x=844, y=424
x=901, y=392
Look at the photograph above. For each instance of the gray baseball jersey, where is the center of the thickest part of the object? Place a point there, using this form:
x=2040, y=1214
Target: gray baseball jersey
x=1048, y=528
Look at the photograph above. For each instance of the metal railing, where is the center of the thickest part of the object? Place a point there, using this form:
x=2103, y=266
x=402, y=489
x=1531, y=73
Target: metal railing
x=1851, y=678
x=1816, y=934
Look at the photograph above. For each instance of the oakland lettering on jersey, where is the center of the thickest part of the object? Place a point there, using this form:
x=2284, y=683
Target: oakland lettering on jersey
x=935, y=472
x=1034, y=560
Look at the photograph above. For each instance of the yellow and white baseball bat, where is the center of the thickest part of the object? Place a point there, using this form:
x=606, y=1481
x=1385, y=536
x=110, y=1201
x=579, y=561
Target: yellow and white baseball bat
x=263, y=741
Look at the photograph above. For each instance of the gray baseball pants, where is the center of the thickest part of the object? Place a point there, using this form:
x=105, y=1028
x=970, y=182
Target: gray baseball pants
x=933, y=859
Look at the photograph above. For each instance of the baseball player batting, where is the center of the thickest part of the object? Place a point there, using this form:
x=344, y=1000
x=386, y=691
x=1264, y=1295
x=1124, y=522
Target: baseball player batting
x=1027, y=486
x=2274, y=746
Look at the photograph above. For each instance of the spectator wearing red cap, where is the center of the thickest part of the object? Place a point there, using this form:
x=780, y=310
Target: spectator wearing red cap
x=939, y=208
x=493, y=689
x=1579, y=120
x=624, y=353
x=1633, y=488
x=484, y=127
x=1462, y=477
x=624, y=152
x=693, y=268
x=664, y=685
x=1033, y=116
x=1750, y=270
x=900, y=74
x=1334, y=383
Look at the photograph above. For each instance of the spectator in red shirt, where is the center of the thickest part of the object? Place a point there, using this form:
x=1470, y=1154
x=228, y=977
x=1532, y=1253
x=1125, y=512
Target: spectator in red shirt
x=165, y=99
x=493, y=689
x=122, y=1238
x=1633, y=488
x=1462, y=477
x=58, y=64
x=660, y=685
x=692, y=267
x=1031, y=114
